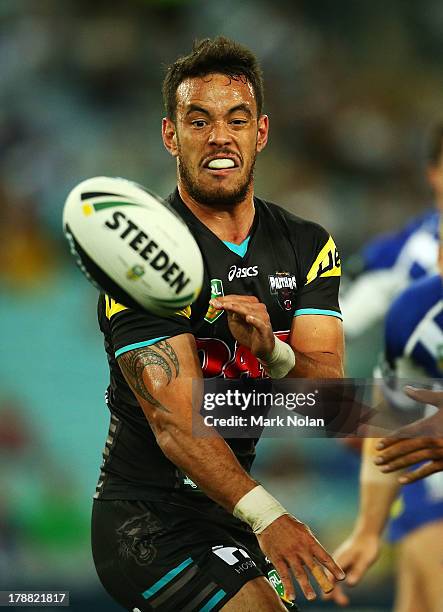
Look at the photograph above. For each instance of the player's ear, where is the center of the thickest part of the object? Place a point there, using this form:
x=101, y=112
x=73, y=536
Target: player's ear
x=169, y=136
x=262, y=133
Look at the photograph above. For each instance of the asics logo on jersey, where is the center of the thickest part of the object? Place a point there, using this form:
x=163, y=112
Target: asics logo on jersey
x=237, y=272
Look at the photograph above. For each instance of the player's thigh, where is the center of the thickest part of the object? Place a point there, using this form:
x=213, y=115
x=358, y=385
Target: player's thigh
x=165, y=558
x=255, y=596
x=426, y=546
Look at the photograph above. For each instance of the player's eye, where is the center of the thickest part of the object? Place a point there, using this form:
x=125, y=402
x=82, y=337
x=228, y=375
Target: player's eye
x=239, y=122
x=199, y=123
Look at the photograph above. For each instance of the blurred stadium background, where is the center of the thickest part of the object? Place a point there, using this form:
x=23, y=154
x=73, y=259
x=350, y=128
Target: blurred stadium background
x=352, y=89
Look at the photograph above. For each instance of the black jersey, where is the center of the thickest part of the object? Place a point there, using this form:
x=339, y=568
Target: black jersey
x=289, y=264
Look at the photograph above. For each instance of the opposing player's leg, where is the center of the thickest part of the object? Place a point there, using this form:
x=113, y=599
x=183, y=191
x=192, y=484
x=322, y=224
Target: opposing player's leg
x=426, y=543
x=420, y=570
x=407, y=591
x=188, y=557
x=255, y=596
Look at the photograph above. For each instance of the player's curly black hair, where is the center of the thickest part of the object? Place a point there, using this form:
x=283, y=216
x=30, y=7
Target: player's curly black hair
x=220, y=55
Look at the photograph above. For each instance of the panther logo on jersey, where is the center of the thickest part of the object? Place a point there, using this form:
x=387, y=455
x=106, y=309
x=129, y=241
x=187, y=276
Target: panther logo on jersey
x=283, y=287
x=137, y=536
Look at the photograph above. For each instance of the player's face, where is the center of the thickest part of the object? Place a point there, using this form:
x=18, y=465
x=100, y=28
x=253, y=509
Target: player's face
x=216, y=137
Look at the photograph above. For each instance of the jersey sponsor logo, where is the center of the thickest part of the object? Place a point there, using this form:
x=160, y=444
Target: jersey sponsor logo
x=189, y=482
x=283, y=285
x=216, y=291
x=217, y=360
x=234, y=556
x=239, y=272
x=327, y=263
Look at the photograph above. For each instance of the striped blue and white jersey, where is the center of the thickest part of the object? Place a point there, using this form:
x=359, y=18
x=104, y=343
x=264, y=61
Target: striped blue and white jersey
x=411, y=252
x=390, y=263
x=414, y=350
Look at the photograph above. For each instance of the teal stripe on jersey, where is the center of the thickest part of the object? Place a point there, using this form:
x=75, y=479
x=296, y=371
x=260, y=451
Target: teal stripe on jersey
x=129, y=347
x=166, y=579
x=331, y=313
x=238, y=249
x=213, y=601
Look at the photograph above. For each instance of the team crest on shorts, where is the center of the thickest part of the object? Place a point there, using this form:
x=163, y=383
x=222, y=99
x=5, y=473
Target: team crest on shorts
x=137, y=536
x=283, y=286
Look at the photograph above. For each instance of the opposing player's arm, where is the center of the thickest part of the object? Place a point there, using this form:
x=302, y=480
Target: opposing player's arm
x=161, y=377
x=361, y=549
x=317, y=341
x=415, y=443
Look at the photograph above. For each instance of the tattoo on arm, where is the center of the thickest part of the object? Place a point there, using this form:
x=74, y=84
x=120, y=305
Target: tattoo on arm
x=134, y=362
x=169, y=351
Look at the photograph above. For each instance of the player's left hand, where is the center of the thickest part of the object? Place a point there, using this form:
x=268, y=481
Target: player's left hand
x=417, y=442
x=249, y=322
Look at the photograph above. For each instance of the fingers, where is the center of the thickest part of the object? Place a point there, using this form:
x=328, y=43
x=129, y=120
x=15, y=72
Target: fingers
x=425, y=396
x=405, y=461
x=404, y=453
x=391, y=448
x=242, y=307
x=337, y=595
x=285, y=577
x=261, y=326
x=327, y=561
x=358, y=570
x=222, y=301
x=325, y=584
x=421, y=472
x=302, y=578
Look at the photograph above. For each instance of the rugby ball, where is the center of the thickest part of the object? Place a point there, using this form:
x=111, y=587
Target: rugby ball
x=133, y=245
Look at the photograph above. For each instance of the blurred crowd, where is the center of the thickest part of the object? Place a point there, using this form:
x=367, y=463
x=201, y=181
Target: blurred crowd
x=351, y=90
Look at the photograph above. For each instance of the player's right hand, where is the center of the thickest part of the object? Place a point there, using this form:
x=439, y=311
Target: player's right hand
x=355, y=556
x=291, y=545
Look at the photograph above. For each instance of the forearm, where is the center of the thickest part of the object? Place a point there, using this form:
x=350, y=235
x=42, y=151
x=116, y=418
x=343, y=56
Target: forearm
x=318, y=345
x=316, y=365
x=377, y=492
x=208, y=461
x=167, y=381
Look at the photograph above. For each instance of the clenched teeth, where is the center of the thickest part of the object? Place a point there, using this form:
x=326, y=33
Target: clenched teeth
x=221, y=163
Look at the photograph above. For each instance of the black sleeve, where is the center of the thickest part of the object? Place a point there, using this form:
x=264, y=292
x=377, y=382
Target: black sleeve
x=134, y=329
x=320, y=272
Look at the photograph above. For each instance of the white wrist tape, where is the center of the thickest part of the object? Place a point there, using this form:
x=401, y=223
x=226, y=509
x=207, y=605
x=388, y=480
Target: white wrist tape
x=259, y=509
x=281, y=361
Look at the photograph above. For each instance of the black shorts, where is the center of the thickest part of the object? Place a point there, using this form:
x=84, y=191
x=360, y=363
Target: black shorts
x=174, y=557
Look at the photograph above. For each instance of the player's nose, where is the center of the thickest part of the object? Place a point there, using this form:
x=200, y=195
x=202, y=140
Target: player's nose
x=219, y=134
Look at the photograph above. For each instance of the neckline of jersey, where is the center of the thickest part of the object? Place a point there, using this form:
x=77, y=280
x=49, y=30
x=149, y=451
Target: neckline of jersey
x=186, y=212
